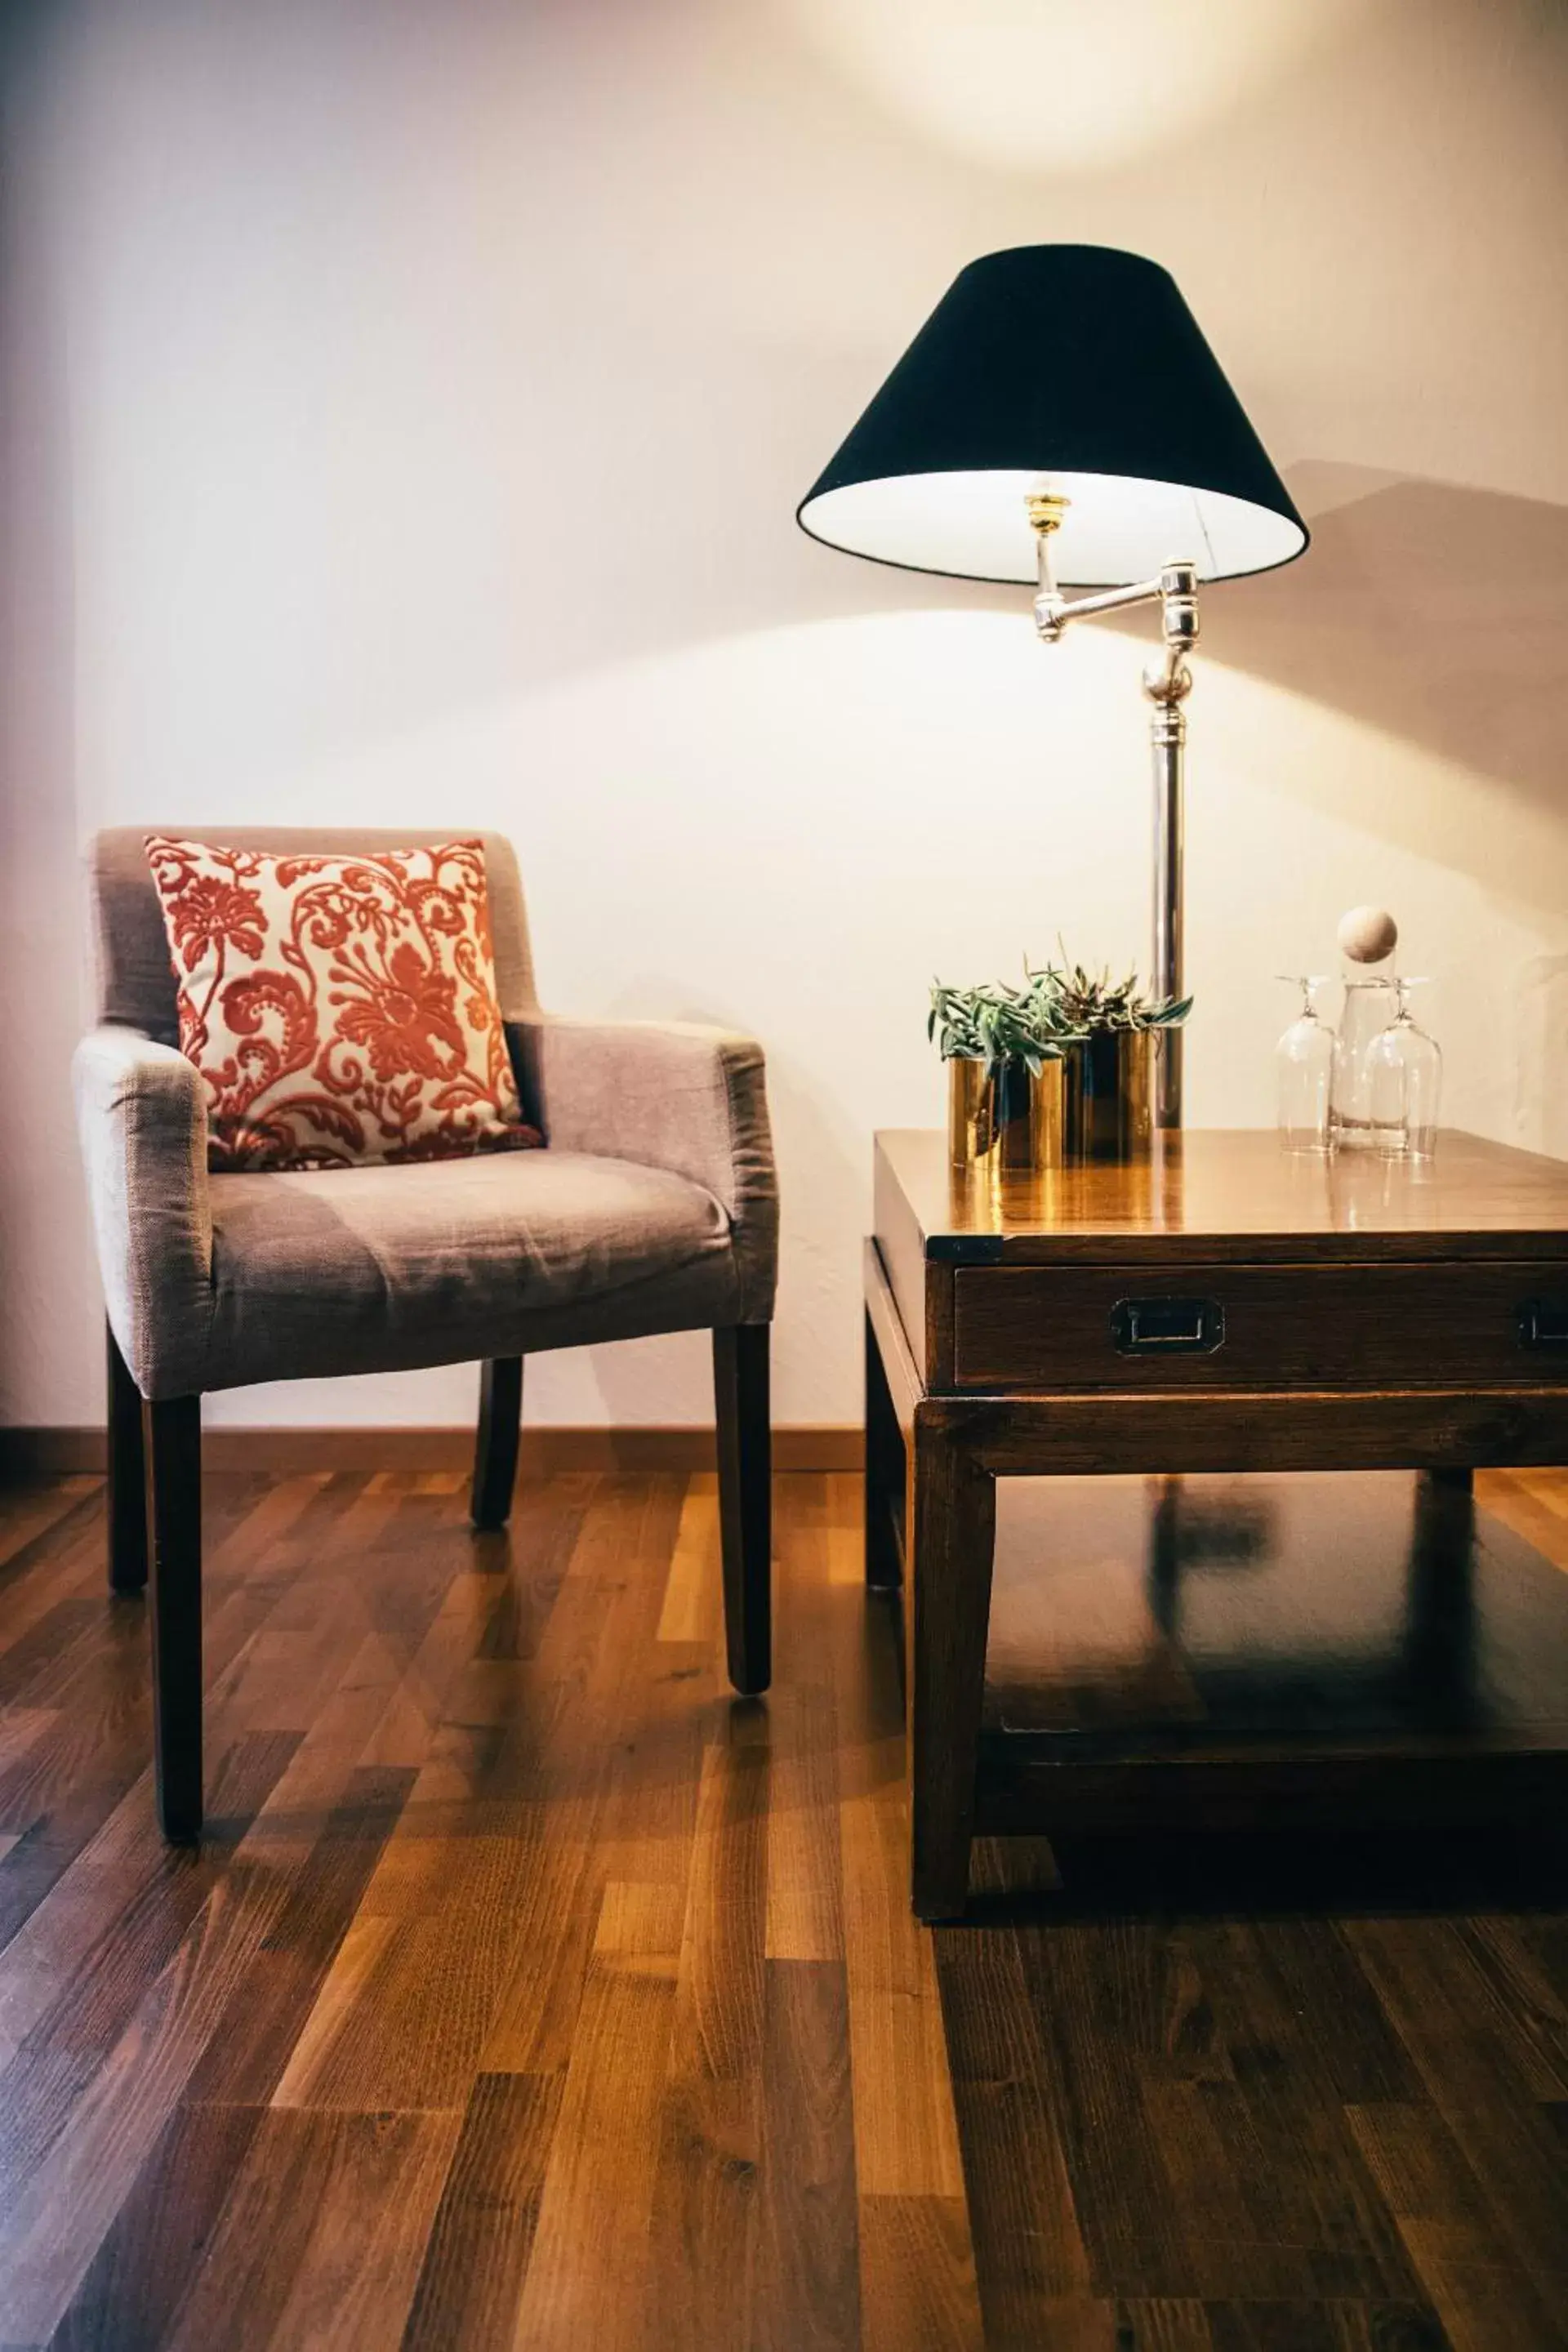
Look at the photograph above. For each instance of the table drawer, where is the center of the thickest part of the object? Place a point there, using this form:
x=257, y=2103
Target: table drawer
x=1264, y=1325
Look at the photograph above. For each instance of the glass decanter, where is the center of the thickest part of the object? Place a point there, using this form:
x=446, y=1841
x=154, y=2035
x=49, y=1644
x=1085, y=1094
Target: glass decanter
x=1369, y=1008
x=1405, y=1083
x=1303, y=1063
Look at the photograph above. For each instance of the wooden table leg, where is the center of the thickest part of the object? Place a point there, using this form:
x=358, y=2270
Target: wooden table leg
x=947, y=1613
x=1440, y=1629
x=884, y=1471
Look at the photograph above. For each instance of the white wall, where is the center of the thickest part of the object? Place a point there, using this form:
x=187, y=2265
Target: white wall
x=405, y=411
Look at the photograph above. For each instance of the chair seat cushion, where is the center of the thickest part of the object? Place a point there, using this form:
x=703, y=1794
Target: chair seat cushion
x=387, y=1267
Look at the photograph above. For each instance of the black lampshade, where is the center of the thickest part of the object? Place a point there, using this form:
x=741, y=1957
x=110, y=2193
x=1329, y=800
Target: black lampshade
x=1074, y=368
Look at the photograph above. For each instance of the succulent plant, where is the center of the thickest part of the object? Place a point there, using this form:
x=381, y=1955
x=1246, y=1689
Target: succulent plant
x=1057, y=1006
x=993, y=1023
x=1074, y=1003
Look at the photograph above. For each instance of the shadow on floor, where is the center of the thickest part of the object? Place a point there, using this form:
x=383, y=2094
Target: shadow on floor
x=1291, y=1874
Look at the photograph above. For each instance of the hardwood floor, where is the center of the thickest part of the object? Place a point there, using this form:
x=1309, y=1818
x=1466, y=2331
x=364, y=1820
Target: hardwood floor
x=531, y=1991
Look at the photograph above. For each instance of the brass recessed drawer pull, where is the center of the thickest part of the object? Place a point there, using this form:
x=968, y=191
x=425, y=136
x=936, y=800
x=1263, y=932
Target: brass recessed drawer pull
x=1543, y=1323
x=1167, y=1327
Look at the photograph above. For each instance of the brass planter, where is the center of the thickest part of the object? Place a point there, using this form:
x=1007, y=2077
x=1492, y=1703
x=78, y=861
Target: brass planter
x=1005, y=1121
x=1110, y=1095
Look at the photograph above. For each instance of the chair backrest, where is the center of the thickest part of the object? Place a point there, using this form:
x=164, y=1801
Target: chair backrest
x=135, y=975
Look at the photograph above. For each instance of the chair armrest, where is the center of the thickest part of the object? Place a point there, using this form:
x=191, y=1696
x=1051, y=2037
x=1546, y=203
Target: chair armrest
x=670, y=1095
x=141, y=1118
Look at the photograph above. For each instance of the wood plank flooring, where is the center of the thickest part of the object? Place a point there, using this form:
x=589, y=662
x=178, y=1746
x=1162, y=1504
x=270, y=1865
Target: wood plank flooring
x=530, y=1991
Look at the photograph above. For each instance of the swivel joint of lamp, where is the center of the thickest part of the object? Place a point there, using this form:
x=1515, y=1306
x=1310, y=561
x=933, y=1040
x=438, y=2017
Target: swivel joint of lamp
x=1167, y=683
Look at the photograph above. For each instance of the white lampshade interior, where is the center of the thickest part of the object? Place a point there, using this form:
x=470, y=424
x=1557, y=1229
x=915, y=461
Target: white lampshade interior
x=1117, y=529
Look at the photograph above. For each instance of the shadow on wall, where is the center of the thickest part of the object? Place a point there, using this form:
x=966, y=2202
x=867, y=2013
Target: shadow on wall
x=1434, y=614
x=1430, y=611
x=1543, y=1049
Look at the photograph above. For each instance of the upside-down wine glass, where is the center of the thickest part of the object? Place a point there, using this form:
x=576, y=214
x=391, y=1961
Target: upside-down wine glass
x=1404, y=1080
x=1304, y=1064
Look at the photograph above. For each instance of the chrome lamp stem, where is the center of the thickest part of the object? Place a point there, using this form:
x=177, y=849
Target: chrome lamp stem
x=1166, y=683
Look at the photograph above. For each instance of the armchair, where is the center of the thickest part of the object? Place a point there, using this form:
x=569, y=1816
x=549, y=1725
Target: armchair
x=655, y=1208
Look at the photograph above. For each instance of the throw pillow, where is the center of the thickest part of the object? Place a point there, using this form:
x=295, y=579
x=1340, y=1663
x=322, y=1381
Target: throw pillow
x=340, y=1009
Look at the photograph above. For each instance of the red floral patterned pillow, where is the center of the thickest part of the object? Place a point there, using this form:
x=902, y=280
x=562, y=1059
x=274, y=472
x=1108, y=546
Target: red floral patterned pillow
x=340, y=1009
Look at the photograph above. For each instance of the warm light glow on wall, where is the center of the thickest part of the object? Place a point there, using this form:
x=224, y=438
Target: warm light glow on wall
x=1054, y=86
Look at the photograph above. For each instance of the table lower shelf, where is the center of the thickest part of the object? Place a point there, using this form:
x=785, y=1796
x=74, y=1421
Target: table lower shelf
x=1231, y=1652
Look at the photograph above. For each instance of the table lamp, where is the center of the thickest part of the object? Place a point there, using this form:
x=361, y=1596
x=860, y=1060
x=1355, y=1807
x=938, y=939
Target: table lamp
x=1059, y=416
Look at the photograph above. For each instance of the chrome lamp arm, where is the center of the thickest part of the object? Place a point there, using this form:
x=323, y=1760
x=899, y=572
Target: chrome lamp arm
x=1167, y=683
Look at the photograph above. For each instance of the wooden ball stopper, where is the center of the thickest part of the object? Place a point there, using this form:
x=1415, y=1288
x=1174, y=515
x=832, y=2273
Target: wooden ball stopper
x=1367, y=934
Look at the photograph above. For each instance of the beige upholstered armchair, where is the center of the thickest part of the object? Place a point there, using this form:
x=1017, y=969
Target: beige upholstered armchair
x=655, y=1208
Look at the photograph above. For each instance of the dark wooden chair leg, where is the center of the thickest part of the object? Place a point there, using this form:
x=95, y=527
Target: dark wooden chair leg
x=173, y=1437
x=884, y=1473
x=746, y=1499
x=947, y=1613
x=127, y=1478
x=495, y=1450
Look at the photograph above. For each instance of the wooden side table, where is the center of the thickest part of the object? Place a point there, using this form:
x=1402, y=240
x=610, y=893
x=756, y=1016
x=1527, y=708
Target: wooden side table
x=1224, y=1307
